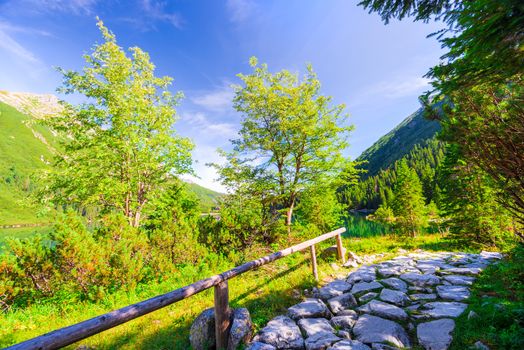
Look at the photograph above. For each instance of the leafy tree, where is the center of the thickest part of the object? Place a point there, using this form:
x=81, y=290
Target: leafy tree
x=408, y=204
x=291, y=138
x=469, y=201
x=384, y=215
x=119, y=146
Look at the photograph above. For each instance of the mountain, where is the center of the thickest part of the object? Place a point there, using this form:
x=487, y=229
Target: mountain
x=27, y=147
x=397, y=143
x=414, y=139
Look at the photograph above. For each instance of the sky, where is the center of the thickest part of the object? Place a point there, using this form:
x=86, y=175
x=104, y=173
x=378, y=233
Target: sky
x=376, y=70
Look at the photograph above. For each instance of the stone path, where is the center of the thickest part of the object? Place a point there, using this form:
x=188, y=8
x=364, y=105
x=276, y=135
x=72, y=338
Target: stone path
x=394, y=304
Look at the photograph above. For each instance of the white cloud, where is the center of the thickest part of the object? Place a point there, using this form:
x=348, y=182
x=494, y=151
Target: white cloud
x=156, y=11
x=206, y=176
x=9, y=44
x=218, y=100
x=201, y=123
x=402, y=88
x=240, y=10
x=77, y=7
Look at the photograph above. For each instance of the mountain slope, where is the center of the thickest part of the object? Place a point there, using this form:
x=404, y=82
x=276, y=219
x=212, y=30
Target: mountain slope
x=397, y=143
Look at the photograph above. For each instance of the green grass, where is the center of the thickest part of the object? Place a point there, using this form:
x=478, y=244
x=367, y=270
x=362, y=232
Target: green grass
x=22, y=232
x=208, y=198
x=266, y=292
x=498, y=299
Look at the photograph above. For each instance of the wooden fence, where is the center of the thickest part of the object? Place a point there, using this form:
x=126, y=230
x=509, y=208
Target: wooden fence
x=69, y=335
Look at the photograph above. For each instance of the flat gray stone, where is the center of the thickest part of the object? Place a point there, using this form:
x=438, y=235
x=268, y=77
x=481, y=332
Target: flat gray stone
x=462, y=271
x=440, y=309
x=460, y=280
x=260, y=346
x=363, y=274
x=334, y=289
x=312, y=326
x=380, y=346
x=367, y=297
x=311, y=308
x=395, y=283
x=362, y=287
x=436, y=335
x=394, y=297
x=342, y=302
x=281, y=332
x=349, y=345
x=491, y=255
x=345, y=321
x=385, y=310
x=423, y=296
x=455, y=293
x=428, y=269
x=373, y=329
x=320, y=341
x=420, y=280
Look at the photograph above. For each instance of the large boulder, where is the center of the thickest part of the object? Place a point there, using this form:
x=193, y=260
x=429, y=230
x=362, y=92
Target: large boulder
x=436, y=335
x=241, y=329
x=202, y=332
x=311, y=308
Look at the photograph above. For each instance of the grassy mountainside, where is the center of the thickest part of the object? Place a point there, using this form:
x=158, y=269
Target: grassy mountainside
x=208, y=198
x=25, y=149
x=397, y=143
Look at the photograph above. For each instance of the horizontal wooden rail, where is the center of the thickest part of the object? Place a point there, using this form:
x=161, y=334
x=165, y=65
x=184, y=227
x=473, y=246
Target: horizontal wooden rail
x=69, y=335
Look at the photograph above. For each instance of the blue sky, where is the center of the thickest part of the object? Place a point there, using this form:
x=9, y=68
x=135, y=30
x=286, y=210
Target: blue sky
x=376, y=70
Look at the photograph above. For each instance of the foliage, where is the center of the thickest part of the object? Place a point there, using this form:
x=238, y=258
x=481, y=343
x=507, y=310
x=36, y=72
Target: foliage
x=291, y=138
x=384, y=215
x=119, y=147
x=408, y=203
x=497, y=298
x=469, y=202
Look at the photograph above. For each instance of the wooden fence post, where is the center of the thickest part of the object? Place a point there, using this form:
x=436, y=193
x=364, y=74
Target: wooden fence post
x=222, y=315
x=340, y=248
x=314, y=261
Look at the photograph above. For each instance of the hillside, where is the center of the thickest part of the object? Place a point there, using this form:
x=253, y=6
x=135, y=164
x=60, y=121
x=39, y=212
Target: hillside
x=397, y=143
x=26, y=148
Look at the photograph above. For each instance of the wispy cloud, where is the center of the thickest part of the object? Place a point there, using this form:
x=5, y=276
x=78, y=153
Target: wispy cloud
x=14, y=48
x=402, y=87
x=208, y=128
x=218, y=100
x=77, y=7
x=240, y=10
x=156, y=11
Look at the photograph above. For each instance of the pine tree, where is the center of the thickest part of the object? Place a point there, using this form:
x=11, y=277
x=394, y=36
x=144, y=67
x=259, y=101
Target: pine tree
x=409, y=201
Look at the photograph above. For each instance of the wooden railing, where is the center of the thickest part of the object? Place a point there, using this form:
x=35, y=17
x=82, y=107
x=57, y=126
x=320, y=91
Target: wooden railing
x=69, y=335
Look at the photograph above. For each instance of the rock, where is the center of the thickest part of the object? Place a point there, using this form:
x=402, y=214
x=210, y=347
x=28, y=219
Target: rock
x=460, y=280
x=344, y=334
x=456, y=293
x=395, y=283
x=428, y=269
x=420, y=280
x=364, y=274
x=436, y=335
x=386, y=310
x=362, y=287
x=311, y=308
x=334, y=266
x=423, y=296
x=480, y=346
x=312, y=326
x=372, y=329
x=367, y=297
x=490, y=255
x=345, y=321
x=342, y=302
x=354, y=257
x=443, y=309
x=202, y=332
x=282, y=333
x=472, y=314
x=332, y=251
x=241, y=329
x=389, y=271
x=394, y=297
x=462, y=271
x=349, y=345
x=320, y=341
x=380, y=346
x=350, y=263
x=260, y=346
x=333, y=289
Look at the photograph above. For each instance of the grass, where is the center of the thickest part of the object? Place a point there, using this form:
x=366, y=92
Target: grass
x=498, y=300
x=266, y=292
x=22, y=232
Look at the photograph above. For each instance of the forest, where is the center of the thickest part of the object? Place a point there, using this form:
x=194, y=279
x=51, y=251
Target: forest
x=126, y=227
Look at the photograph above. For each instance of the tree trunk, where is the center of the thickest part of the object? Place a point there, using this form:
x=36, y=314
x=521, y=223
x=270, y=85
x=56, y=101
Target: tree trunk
x=289, y=216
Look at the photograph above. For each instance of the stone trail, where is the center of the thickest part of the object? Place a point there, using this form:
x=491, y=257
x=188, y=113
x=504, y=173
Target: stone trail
x=407, y=301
